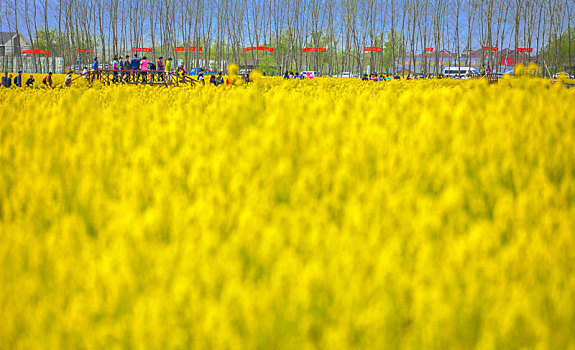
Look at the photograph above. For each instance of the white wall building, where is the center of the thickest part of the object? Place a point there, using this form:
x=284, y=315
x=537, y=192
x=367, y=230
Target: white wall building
x=12, y=43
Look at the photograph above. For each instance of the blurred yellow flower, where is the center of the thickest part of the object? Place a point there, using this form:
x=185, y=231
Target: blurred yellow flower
x=325, y=213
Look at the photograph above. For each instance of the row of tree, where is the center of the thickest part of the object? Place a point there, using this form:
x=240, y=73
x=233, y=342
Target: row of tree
x=402, y=28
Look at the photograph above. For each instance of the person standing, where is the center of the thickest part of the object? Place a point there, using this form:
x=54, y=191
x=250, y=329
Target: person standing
x=5, y=80
x=135, y=67
x=144, y=68
x=152, y=68
x=488, y=70
x=96, y=67
x=169, y=70
x=18, y=79
x=126, y=65
x=120, y=65
x=115, y=67
x=161, y=67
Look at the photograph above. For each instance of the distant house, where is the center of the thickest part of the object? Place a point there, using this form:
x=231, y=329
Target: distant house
x=12, y=43
x=405, y=72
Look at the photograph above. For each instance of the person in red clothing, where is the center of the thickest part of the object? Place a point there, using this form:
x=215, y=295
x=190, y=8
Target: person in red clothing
x=488, y=71
x=144, y=68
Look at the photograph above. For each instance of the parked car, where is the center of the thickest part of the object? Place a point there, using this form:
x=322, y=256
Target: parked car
x=314, y=74
x=564, y=74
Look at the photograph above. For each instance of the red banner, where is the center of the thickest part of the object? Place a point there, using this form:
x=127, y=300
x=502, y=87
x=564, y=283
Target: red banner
x=507, y=61
x=373, y=49
x=429, y=49
x=187, y=48
x=510, y=61
x=493, y=48
x=314, y=49
x=141, y=49
x=83, y=50
x=260, y=48
x=525, y=49
x=44, y=52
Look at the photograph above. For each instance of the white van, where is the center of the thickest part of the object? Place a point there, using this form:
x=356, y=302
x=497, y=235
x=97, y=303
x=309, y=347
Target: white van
x=312, y=73
x=459, y=72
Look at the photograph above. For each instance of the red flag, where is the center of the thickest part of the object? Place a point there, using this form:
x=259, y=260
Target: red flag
x=36, y=51
x=259, y=48
x=187, y=48
x=314, y=49
x=141, y=49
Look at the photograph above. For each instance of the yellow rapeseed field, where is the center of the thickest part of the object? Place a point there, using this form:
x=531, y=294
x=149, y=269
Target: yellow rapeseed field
x=329, y=214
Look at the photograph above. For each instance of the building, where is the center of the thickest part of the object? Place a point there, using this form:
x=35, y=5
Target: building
x=498, y=60
x=12, y=44
x=406, y=72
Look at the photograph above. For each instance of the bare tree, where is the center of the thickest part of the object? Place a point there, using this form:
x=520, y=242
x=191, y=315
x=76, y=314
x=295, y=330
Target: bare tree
x=223, y=27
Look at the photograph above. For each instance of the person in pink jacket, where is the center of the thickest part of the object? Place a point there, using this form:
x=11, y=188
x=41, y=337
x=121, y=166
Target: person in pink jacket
x=144, y=68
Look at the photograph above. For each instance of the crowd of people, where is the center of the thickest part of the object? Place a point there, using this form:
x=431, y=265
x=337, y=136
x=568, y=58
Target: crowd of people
x=8, y=81
x=483, y=70
x=161, y=72
x=127, y=70
x=124, y=71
